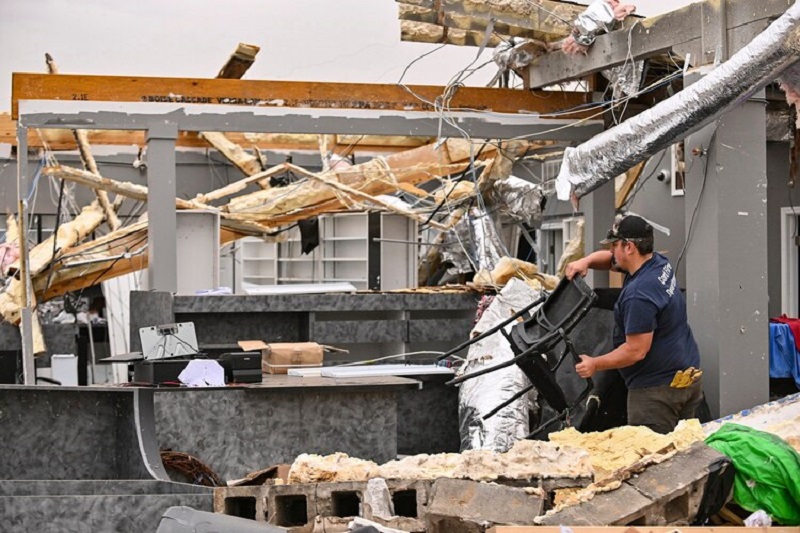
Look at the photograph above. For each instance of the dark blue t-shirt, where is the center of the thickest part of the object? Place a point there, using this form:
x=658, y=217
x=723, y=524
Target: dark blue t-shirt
x=651, y=301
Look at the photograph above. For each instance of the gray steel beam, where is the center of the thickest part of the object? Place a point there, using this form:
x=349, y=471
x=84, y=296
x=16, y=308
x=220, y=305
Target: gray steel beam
x=162, y=271
x=681, y=30
x=726, y=257
x=187, y=117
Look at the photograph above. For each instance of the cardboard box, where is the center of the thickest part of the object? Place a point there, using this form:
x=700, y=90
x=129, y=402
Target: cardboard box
x=279, y=357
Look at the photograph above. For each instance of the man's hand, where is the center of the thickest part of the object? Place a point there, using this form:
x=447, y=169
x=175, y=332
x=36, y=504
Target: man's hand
x=587, y=367
x=579, y=267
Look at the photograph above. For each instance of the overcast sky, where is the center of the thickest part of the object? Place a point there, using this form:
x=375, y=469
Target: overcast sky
x=322, y=40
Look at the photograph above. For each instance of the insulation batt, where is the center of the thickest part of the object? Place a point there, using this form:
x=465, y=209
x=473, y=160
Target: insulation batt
x=526, y=460
x=609, y=154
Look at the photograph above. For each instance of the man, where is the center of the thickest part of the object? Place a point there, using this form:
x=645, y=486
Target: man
x=654, y=348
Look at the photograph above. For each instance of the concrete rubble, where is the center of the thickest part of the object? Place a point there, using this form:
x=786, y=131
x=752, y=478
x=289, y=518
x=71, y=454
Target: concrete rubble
x=617, y=477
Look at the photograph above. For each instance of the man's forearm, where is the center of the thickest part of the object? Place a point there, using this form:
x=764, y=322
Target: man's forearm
x=599, y=260
x=621, y=357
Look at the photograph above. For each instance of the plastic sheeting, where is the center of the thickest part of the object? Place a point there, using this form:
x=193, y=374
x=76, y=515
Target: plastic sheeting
x=480, y=395
x=614, y=151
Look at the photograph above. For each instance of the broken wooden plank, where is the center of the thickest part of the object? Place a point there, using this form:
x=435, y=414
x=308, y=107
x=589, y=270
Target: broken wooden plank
x=631, y=177
x=235, y=68
x=353, y=192
x=247, y=163
x=126, y=189
x=91, y=165
x=240, y=61
x=372, y=177
x=281, y=94
x=41, y=256
x=88, y=160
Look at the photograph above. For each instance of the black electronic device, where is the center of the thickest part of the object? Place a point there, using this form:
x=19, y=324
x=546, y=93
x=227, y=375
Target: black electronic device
x=241, y=367
x=159, y=371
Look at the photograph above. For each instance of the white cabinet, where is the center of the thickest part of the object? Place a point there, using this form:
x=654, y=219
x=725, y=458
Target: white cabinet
x=370, y=250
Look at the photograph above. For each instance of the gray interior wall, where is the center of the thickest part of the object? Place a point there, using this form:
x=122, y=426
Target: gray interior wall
x=654, y=201
x=778, y=192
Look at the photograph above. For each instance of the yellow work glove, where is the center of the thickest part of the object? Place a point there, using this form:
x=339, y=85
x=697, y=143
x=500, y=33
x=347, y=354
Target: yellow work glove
x=684, y=378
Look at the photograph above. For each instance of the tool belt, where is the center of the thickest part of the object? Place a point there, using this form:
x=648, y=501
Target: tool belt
x=684, y=378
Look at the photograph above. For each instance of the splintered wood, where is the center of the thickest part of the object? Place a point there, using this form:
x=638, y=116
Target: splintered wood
x=524, y=461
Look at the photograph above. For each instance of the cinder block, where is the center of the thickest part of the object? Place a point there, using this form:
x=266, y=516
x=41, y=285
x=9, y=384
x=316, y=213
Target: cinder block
x=618, y=507
x=291, y=506
x=339, y=499
x=245, y=502
x=472, y=507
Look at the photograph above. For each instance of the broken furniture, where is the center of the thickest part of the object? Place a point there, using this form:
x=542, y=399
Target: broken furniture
x=533, y=342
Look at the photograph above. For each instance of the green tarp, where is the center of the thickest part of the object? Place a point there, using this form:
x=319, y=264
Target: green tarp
x=767, y=471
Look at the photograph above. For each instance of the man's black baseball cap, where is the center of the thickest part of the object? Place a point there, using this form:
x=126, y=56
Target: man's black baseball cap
x=629, y=228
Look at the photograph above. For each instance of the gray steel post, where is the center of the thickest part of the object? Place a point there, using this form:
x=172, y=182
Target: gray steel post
x=726, y=256
x=26, y=319
x=598, y=212
x=162, y=271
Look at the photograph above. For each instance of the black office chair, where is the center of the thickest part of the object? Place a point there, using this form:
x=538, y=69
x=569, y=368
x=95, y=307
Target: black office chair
x=532, y=342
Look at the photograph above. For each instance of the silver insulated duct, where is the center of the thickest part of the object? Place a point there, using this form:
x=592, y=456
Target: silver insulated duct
x=614, y=151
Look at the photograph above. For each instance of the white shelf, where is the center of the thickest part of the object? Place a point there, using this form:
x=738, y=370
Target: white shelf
x=342, y=256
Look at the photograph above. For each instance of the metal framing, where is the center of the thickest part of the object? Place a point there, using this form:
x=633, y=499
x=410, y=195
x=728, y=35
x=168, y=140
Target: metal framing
x=163, y=121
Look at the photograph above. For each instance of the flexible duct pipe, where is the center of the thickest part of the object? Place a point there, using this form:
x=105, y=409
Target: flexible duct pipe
x=614, y=151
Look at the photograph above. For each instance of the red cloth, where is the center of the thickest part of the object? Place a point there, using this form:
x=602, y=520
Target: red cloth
x=794, y=325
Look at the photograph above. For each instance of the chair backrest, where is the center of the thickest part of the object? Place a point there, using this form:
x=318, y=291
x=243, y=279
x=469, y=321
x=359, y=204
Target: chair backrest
x=563, y=309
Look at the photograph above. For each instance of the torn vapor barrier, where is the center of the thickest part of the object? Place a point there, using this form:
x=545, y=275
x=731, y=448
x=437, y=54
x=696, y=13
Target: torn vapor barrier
x=515, y=54
x=625, y=79
x=518, y=200
x=602, y=16
x=474, y=243
x=614, y=151
x=479, y=396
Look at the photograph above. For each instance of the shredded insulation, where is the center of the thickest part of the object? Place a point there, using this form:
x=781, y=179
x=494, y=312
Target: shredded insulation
x=525, y=460
x=618, y=453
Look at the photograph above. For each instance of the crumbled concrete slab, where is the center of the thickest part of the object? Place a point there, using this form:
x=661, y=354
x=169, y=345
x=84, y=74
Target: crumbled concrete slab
x=473, y=507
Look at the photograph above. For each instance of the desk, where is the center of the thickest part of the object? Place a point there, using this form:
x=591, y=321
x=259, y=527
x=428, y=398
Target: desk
x=240, y=429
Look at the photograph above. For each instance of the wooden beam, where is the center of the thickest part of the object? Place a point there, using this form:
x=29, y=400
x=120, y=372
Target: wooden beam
x=680, y=31
x=631, y=177
x=239, y=62
x=280, y=94
x=64, y=140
